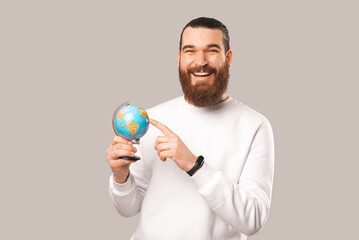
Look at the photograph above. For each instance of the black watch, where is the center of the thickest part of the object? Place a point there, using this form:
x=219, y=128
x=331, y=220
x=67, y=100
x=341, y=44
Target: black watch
x=197, y=165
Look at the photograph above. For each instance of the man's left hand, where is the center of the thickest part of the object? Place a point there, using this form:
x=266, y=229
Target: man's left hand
x=171, y=146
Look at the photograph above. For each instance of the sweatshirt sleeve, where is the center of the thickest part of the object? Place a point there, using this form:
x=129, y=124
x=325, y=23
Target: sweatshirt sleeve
x=127, y=197
x=243, y=205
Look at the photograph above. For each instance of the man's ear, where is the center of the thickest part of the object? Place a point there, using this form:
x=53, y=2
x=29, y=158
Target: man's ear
x=178, y=57
x=229, y=57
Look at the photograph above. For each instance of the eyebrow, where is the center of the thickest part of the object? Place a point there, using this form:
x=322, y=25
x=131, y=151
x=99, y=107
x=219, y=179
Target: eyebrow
x=208, y=46
x=187, y=46
x=214, y=45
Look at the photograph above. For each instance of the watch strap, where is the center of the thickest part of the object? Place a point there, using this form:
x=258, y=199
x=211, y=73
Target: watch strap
x=197, y=165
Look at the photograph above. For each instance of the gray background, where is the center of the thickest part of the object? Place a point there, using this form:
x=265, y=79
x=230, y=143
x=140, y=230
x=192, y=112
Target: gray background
x=66, y=65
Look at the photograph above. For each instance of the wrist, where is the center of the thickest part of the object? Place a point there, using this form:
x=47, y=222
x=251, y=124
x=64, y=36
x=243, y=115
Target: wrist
x=191, y=164
x=121, y=178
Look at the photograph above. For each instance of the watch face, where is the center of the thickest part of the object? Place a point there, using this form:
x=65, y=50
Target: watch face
x=200, y=160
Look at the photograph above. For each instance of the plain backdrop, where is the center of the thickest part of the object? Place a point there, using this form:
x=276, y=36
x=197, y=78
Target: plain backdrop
x=66, y=65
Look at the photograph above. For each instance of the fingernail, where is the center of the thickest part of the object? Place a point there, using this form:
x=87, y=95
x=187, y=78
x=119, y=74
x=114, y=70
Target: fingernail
x=129, y=143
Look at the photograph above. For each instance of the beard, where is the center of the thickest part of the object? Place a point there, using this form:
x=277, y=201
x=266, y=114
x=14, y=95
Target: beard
x=204, y=94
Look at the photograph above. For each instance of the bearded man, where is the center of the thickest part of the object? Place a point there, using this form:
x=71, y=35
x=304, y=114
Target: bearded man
x=208, y=162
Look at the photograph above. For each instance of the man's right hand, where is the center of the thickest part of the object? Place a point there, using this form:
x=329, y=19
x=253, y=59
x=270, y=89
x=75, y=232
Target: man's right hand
x=120, y=147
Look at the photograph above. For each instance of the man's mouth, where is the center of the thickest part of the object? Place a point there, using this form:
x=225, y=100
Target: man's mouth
x=201, y=74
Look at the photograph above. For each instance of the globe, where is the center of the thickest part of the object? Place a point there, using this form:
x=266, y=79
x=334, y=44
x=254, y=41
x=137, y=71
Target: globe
x=130, y=122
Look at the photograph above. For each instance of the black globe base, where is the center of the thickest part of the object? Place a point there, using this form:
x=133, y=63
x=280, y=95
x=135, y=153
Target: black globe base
x=135, y=158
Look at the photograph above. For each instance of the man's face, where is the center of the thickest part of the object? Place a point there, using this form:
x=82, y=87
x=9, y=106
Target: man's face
x=203, y=66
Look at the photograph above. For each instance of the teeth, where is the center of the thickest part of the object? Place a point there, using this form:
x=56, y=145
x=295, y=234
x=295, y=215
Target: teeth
x=201, y=74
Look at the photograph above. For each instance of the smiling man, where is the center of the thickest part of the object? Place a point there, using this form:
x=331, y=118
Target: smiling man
x=204, y=61
x=208, y=161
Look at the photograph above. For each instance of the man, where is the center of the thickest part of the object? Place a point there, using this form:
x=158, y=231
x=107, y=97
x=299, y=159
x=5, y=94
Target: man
x=216, y=174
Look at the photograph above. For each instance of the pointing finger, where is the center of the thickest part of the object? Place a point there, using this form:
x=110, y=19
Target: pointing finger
x=166, y=131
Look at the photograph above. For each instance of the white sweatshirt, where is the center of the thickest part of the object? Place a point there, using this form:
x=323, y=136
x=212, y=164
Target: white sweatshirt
x=228, y=198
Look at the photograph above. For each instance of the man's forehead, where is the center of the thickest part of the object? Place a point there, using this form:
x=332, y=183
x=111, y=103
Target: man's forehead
x=200, y=36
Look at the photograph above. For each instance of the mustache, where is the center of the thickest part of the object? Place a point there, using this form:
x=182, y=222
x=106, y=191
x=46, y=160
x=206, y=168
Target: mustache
x=205, y=68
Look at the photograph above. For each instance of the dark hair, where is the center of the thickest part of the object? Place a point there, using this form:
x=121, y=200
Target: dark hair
x=209, y=23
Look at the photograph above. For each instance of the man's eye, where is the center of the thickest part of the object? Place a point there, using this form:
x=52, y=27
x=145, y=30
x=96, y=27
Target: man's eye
x=188, y=51
x=213, y=50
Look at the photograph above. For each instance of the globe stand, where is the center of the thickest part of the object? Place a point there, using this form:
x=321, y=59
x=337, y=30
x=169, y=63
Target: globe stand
x=130, y=158
x=134, y=158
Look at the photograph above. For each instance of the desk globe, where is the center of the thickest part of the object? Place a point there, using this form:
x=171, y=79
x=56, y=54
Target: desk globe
x=130, y=122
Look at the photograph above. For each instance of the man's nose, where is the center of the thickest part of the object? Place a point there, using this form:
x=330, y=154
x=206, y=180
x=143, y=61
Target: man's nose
x=201, y=59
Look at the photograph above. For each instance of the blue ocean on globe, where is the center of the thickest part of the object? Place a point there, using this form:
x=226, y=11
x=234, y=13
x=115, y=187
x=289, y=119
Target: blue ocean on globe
x=131, y=122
